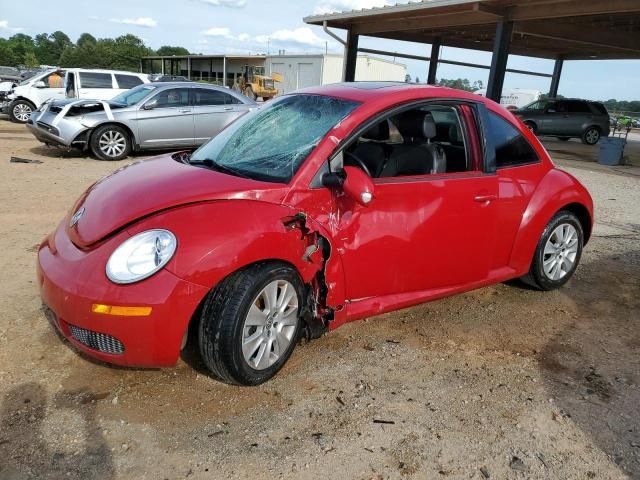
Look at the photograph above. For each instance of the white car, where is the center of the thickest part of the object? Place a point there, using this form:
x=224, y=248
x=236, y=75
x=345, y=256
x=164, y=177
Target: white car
x=57, y=84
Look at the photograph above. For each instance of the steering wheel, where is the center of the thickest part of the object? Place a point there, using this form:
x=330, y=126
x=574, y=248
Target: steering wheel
x=360, y=163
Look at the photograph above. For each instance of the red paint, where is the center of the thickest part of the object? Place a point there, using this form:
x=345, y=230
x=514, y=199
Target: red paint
x=420, y=238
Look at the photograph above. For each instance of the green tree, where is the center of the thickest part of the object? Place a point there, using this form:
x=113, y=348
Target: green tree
x=168, y=50
x=30, y=60
x=7, y=57
x=461, y=84
x=20, y=44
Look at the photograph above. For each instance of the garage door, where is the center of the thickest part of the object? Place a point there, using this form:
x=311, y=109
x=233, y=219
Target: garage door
x=305, y=75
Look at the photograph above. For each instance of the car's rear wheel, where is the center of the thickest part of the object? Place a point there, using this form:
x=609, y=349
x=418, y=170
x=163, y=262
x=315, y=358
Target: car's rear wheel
x=20, y=110
x=531, y=126
x=110, y=142
x=250, y=323
x=558, y=252
x=591, y=136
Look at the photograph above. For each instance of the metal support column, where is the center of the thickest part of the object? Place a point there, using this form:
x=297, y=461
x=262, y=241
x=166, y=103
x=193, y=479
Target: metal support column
x=499, y=60
x=189, y=68
x=350, y=57
x=555, y=79
x=433, y=63
x=224, y=71
x=162, y=66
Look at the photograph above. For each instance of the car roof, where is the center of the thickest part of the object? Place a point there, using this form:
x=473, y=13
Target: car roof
x=375, y=91
x=101, y=70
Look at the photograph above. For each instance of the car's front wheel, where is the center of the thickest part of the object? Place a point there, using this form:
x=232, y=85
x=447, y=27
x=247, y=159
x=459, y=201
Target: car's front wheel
x=250, y=323
x=591, y=136
x=20, y=110
x=110, y=142
x=531, y=126
x=558, y=252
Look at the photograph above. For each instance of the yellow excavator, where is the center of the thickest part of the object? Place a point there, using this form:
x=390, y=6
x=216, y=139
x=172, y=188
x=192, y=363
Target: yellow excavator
x=254, y=83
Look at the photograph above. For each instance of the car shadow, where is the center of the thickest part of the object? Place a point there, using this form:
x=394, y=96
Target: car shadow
x=592, y=367
x=60, y=152
x=25, y=424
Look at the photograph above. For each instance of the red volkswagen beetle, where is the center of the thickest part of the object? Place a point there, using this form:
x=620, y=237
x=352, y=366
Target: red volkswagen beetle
x=324, y=206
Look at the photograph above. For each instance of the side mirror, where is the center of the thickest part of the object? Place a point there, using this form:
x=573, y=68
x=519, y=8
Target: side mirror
x=150, y=105
x=40, y=84
x=358, y=185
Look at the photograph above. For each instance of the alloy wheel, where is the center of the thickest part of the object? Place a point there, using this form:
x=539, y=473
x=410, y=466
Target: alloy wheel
x=112, y=143
x=270, y=324
x=592, y=136
x=560, y=252
x=22, y=112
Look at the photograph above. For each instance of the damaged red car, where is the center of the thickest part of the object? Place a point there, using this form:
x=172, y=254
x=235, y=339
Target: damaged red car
x=322, y=207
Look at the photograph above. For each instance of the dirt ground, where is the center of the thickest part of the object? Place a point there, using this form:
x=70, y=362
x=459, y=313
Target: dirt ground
x=501, y=383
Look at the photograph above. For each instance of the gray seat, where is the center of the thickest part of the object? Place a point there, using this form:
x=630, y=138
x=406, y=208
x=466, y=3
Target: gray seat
x=418, y=155
x=373, y=154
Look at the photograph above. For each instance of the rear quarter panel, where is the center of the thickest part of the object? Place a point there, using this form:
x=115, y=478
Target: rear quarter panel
x=556, y=190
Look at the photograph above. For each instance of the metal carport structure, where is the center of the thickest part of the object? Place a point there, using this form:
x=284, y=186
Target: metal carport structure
x=560, y=30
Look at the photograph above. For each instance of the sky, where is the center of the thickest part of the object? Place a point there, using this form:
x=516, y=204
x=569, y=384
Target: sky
x=259, y=26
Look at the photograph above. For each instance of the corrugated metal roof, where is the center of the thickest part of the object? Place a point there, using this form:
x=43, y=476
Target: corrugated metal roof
x=396, y=8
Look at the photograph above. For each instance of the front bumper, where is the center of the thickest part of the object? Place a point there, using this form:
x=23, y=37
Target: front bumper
x=46, y=133
x=72, y=280
x=4, y=106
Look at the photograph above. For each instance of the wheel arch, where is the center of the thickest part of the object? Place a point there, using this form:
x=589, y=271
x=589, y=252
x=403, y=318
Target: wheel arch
x=557, y=191
x=24, y=99
x=132, y=137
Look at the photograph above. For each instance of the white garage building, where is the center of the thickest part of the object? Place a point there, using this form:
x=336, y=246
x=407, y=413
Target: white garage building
x=298, y=71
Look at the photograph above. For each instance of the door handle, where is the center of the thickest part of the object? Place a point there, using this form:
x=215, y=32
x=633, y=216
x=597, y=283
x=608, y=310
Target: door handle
x=228, y=109
x=485, y=198
x=185, y=111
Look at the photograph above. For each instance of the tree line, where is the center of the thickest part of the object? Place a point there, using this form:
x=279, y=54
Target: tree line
x=57, y=49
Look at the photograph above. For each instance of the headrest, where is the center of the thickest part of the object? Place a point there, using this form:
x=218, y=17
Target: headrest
x=417, y=124
x=379, y=132
x=454, y=134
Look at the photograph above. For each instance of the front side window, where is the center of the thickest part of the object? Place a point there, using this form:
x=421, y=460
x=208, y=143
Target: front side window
x=174, y=97
x=426, y=140
x=128, y=81
x=54, y=80
x=206, y=97
x=539, y=105
x=95, y=80
x=512, y=149
x=272, y=142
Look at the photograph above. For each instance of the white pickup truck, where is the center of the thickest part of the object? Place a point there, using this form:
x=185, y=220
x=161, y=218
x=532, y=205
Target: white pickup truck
x=55, y=84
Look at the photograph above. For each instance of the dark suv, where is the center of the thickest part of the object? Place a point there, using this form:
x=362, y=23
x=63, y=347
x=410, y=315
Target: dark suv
x=567, y=118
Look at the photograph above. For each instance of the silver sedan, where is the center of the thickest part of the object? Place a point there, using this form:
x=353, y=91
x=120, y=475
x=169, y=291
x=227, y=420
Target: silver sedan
x=150, y=116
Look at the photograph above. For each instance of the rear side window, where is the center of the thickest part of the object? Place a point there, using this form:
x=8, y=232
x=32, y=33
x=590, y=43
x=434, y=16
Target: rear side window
x=127, y=81
x=95, y=80
x=512, y=149
x=599, y=108
x=203, y=97
x=578, y=107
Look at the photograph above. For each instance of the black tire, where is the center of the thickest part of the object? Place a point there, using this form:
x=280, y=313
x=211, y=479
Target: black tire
x=564, y=139
x=222, y=321
x=532, y=126
x=101, y=134
x=591, y=136
x=18, y=108
x=537, y=276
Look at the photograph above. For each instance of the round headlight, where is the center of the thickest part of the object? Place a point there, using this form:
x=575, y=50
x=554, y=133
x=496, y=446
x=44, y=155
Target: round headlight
x=141, y=256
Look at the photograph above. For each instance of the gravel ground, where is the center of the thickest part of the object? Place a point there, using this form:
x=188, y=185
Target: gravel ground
x=503, y=382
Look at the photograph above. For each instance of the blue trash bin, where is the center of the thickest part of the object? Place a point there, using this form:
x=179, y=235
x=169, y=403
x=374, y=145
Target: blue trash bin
x=611, y=151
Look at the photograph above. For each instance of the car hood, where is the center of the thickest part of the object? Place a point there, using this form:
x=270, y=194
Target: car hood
x=146, y=187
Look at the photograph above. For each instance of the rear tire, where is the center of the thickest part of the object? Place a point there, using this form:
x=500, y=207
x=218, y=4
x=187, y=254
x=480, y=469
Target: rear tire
x=20, y=110
x=110, y=142
x=558, y=253
x=591, y=136
x=249, y=326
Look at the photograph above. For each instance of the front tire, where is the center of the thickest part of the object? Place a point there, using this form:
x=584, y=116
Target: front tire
x=532, y=126
x=591, y=136
x=20, y=110
x=250, y=323
x=558, y=252
x=110, y=142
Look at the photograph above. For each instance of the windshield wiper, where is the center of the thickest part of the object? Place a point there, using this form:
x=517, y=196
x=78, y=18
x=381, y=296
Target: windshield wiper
x=209, y=163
